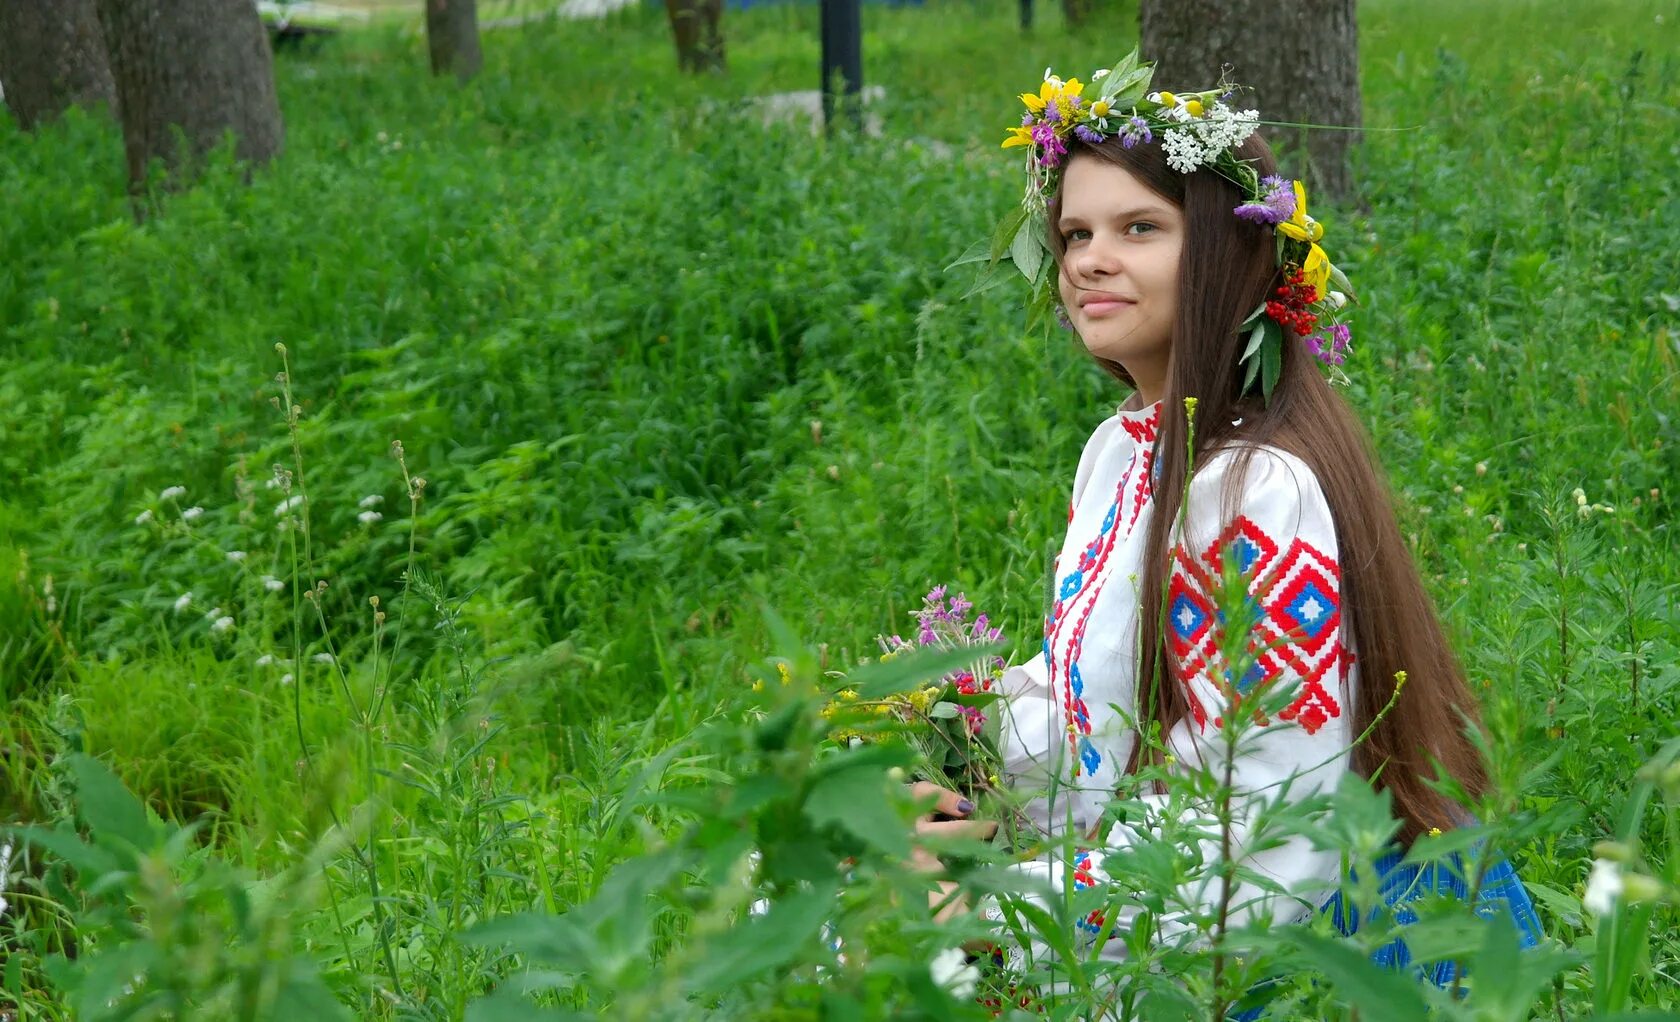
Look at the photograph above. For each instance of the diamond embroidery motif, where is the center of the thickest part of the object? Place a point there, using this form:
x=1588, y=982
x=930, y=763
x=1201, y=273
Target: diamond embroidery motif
x=1298, y=604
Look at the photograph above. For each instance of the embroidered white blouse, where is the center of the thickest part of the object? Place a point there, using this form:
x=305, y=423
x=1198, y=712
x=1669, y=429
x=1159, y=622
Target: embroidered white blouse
x=1071, y=706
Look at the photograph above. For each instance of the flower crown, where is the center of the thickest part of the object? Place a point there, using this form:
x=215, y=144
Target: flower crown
x=1196, y=130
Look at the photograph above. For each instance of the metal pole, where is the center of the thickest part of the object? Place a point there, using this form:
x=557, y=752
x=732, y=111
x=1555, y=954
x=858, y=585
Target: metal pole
x=842, y=56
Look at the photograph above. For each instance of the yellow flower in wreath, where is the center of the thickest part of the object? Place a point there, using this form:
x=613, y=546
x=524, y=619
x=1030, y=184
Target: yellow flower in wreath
x=1300, y=226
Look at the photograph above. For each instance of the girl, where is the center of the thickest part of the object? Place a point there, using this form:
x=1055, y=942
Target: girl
x=1156, y=226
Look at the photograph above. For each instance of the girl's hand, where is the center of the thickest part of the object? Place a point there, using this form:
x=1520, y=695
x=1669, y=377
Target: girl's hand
x=944, y=899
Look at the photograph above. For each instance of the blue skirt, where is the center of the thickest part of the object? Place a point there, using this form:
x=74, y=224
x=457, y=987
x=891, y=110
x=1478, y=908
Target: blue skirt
x=1501, y=893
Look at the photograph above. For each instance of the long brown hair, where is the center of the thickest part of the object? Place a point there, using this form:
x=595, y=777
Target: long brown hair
x=1226, y=269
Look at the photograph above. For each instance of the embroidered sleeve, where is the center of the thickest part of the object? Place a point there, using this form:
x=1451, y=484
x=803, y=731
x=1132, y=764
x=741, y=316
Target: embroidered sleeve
x=1282, y=537
x=1283, y=542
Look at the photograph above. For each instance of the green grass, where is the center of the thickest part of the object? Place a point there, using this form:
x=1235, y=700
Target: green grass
x=603, y=308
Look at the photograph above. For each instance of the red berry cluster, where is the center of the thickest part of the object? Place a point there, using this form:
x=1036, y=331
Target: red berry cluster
x=1293, y=302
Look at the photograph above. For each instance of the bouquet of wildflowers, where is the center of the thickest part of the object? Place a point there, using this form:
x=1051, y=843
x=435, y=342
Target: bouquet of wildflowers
x=946, y=722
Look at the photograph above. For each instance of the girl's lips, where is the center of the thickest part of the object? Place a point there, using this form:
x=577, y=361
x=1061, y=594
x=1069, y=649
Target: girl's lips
x=1103, y=306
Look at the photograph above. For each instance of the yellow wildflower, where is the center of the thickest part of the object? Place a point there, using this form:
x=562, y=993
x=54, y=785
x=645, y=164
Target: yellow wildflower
x=1316, y=270
x=1194, y=106
x=782, y=669
x=1017, y=136
x=1434, y=831
x=1300, y=226
x=923, y=699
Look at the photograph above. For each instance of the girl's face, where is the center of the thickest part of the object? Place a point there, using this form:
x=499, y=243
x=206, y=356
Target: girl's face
x=1119, y=276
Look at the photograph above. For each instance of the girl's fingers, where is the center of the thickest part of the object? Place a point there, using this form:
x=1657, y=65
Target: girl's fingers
x=978, y=830
x=948, y=802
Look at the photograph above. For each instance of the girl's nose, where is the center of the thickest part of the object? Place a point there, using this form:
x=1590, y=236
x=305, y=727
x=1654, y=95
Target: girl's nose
x=1096, y=259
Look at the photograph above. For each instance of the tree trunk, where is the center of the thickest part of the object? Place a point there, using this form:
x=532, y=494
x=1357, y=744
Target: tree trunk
x=452, y=36
x=1076, y=12
x=51, y=57
x=697, y=26
x=1300, y=58
x=187, y=72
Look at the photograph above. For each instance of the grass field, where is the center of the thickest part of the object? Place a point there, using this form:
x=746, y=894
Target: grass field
x=660, y=366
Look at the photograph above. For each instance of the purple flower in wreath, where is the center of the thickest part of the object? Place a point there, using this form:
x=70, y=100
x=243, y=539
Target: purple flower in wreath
x=1051, y=149
x=1088, y=135
x=1135, y=131
x=1275, y=204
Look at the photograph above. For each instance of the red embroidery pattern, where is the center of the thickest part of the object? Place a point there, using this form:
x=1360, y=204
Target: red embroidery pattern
x=1299, y=596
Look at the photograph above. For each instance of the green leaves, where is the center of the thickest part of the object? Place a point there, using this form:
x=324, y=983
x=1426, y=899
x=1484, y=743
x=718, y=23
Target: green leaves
x=855, y=797
x=1263, y=355
x=1379, y=994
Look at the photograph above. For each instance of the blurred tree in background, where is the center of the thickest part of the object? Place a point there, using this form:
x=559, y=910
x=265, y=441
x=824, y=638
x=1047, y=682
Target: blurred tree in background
x=1301, y=59
x=697, y=26
x=200, y=66
x=51, y=57
x=452, y=37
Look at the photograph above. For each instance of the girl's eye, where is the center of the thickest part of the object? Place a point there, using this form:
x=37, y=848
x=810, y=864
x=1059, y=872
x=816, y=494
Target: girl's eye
x=1141, y=227
x=1075, y=235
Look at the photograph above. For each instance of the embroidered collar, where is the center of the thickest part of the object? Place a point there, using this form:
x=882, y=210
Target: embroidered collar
x=1140, y=424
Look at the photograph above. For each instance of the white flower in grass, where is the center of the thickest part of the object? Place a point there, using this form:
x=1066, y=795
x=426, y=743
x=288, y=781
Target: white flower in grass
x=272, y=584
x=323, y=658
x=172, y=493
x=143, y=517
x=369, y=517
x=236, y=556
x=183, y=601
x=213, y=613
x=371, y=500
x=5, y=873
x=222, y=624
x=285, y=679
x=192, y=514
x=265, y=660
x=1604, y=887
x=951, y=970
x=286, y=506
